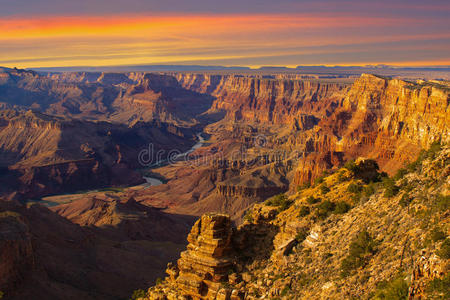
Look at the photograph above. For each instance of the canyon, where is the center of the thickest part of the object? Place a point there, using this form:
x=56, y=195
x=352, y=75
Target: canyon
x=78, y=136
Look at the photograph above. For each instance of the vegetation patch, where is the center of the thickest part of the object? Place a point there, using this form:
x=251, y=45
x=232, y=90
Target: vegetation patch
x=361, y=248
x=280, y=200
x=138, y=294
x=439, y=288
x=396, y=289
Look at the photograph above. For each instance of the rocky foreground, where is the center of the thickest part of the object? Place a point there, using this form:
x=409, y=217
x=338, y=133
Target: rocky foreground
x=355, y=234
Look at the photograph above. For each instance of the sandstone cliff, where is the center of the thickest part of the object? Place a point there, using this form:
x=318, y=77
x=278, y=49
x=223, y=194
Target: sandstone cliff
x=341, y=242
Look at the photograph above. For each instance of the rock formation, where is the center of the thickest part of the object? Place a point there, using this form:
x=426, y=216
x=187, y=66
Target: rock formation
x=203, y=268
x=339, y=243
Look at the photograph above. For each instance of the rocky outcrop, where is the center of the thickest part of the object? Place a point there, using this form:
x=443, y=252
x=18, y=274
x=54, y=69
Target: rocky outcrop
x=328, y=244
x=427, y=267
x=203, y=268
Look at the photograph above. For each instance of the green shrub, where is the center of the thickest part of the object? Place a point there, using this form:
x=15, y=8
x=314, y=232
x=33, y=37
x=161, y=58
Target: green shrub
x=341, y=207
x=342, y=177
x=356, y=198
x=396, y=289
x=390, y=188
x=305, y=186
x=444, y=250
x=437, y=234
x=324, y=189
x=369, y=190
x=159, y=280
x=285, y=290
x=367, y=170
x=400, y=174
x=312, y=200
x=1, y=294
x=248, y=216
x=439, y=288
x=354, y=188
x=325, y=208
x=442, y=202
x=360, y=248
x=304, y=211
x=405, y=201
x=435, y=147
x=281, y=201
x=351, y=166
x=138, y=294
x=319, y=180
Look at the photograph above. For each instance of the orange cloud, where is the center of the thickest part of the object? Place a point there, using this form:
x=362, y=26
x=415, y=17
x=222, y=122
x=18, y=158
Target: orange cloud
x=139, y=39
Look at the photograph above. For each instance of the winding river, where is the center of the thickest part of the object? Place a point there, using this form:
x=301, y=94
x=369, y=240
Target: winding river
x=55, y=200
x=152, y=181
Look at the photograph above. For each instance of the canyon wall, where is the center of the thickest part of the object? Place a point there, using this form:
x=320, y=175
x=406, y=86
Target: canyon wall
x=267, y=101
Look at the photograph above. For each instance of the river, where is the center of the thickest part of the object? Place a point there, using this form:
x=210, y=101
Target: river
x=152, y=181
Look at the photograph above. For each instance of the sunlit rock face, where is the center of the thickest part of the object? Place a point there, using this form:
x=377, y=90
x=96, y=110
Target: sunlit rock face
x=205, y=265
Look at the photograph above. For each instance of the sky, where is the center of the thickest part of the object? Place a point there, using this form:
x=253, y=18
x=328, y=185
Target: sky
x=57, y=33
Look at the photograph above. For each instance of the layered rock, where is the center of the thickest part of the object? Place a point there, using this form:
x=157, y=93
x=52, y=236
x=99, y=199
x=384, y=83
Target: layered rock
x=262, y=100
x=427, y=268
x=203, y=268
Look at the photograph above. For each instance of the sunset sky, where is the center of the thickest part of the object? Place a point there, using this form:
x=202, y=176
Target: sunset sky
x=52, y=33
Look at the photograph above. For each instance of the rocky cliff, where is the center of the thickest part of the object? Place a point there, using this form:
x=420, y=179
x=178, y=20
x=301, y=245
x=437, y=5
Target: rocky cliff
x=107, y=256
x=353, y=239
x=269, y=101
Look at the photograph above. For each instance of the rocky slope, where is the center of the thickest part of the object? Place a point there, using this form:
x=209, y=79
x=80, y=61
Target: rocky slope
x=111, y=254
x=347, y=237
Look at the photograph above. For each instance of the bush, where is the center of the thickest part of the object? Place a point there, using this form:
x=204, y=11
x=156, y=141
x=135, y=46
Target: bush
x=356, y=198
x=442, y=202
x=325, y=208
x=341, y=207
x=281, y=201
x=138, y=294
x=342, y=177
x=159, y=280
x=304, y=211
x=324, y=189
x=436, y=235
x=351, y=166
x=400, y=174
x=319, y=180
x=303, y=187
x=397, y=289
x=248, y=216
x=354, y=188
x=312, y=200
x=369, y=190
x=367, y=170
x=444, y=251
x=439, y=288
x=405, y=201
x=390, y=188
x=435, y=147
x=360, y=247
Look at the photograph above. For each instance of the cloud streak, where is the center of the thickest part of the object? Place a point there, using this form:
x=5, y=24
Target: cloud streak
x=262, y=39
